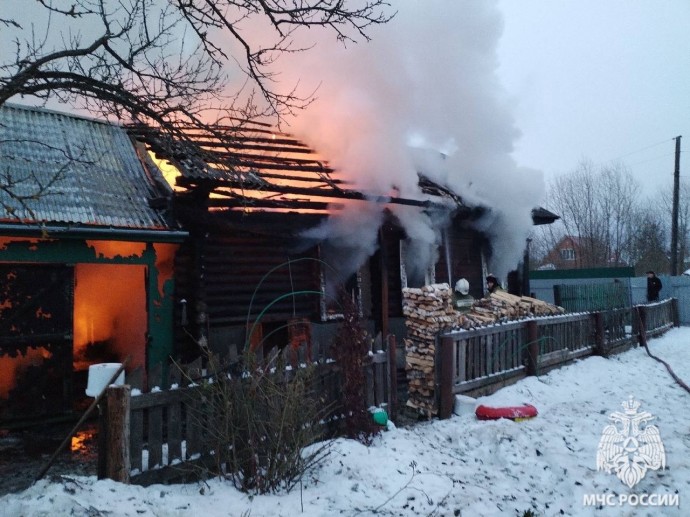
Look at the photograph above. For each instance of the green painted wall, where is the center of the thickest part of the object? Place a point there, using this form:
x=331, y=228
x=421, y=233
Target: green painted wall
x=64, y=251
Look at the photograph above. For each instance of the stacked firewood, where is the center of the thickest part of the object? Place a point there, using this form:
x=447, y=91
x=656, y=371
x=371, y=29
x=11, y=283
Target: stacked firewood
x=501, y=306
x=427, y=311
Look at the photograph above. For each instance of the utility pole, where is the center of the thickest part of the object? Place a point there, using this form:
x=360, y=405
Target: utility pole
x=674, y=216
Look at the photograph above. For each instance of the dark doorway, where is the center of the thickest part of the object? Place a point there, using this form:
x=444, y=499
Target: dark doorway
x=35, y=340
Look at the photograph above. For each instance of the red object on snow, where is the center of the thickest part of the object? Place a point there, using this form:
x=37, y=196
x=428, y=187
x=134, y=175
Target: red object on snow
x=512, y=413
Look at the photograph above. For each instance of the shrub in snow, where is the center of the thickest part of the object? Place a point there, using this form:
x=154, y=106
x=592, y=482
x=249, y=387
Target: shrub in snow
x=350, y=347
x=257, y=426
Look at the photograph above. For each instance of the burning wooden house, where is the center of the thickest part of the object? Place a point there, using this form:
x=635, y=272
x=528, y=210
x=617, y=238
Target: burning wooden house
x=86, y=255
x=252, y=274
x=248, y=197
x=122, y=242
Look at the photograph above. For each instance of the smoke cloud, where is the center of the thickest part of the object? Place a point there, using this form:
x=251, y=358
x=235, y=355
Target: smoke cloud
x=349, y=240
x=422, y=96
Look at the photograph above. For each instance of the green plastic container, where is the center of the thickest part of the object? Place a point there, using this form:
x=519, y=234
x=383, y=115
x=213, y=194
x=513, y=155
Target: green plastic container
x=380, y=418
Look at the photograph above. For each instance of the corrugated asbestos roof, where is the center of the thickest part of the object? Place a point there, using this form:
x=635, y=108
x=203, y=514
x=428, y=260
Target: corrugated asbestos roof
x=100, y=179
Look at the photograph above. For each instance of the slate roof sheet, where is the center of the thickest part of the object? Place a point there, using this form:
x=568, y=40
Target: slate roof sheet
x=100, y=179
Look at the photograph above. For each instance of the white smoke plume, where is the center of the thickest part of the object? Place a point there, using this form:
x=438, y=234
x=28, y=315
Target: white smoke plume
x=421, y=96
x=424, y=87
x=349, y=240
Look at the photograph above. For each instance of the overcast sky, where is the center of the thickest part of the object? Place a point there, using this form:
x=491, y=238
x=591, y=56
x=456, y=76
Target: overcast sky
x=603, y=80
x=599, y=79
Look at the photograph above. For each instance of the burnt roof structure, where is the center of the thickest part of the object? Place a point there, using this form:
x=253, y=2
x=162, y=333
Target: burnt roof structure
x=251, y=165
x=90, y=175
x=65, y=173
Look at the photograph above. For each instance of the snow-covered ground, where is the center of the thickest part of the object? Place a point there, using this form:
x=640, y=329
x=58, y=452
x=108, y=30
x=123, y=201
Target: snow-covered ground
x=460, y=466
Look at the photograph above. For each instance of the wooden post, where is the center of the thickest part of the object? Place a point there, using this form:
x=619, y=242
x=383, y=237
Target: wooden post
x=532, y=347
x=557, y=295
x=642, y=318
x=599, y=343
x=446, y=396
x=384, y=283
x=117, y=447
x=674, y=211
x=392, y=376
x=675, y=313
x=369, y=394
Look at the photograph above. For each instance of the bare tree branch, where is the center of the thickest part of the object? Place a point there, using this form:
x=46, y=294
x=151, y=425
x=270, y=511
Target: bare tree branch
x=164, y=62
x=131, y=53
x=597, y=206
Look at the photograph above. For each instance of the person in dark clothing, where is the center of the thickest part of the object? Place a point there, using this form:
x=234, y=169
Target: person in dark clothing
x=492, y=284
x=653, y=287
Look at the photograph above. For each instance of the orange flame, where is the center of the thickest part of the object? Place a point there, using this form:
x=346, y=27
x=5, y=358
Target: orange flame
x=12, y=367
x=82, y=439
x=109, y=309
x=110, y=303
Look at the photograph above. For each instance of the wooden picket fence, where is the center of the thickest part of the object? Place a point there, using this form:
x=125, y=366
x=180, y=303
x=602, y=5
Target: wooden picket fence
x=482, y=360
x=159, y=435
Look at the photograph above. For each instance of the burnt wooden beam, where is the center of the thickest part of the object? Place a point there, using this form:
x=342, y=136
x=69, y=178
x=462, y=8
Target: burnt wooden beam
x=268, y=203
x=201, y=169
x=228, y=133
x=238, y=141
x=303, y=179
x=232, y=157
x=285, y=165
x=260, y=147
x=305, y=191
x=431, y=187
x=244, y=125
x=241, y=139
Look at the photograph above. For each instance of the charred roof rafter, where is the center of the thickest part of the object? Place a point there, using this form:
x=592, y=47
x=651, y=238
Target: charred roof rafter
x=252, y=166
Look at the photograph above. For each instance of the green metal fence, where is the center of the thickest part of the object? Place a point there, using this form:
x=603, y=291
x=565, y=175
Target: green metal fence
x=592, y=297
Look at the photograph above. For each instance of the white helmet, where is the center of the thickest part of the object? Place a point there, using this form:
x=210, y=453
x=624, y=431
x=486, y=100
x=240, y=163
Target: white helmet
x=462, y=286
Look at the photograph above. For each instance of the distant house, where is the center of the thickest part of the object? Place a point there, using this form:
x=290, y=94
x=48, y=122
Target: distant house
x=579, y=252
x=86, y=253
x=566, y=254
